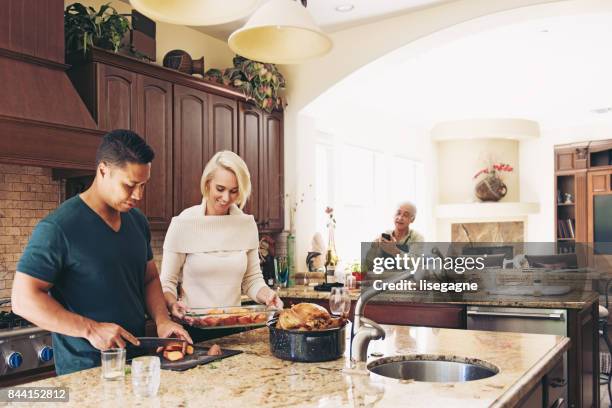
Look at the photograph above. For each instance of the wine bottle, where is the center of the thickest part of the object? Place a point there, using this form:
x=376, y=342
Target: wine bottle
x=331, y=258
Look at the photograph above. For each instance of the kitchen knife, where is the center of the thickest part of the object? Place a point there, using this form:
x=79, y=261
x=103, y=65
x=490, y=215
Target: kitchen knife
x=153, y=342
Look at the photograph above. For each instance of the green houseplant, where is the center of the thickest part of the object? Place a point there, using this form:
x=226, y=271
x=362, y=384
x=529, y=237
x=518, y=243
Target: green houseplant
x=85, y=27
x=259, y=81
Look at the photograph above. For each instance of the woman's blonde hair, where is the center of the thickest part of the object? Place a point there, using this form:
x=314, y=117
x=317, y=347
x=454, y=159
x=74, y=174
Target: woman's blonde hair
x=229, y=161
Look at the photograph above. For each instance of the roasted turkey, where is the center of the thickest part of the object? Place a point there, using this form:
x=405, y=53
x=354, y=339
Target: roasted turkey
x=307, y=316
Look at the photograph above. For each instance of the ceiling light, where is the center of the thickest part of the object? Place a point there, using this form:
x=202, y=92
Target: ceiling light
x=344, y=8
x=195, y=12
x=280, y=32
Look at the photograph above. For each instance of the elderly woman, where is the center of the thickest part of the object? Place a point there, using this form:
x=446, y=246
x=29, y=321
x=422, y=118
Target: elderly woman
x=398, y=240
x=214, y=245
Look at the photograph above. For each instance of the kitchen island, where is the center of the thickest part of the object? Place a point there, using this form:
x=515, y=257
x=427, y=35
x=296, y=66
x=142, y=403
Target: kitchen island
x=257, y=378
x=577, y=311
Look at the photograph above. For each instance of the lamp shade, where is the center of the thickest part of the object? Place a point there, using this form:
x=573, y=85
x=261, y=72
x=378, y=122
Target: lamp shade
x=280, y=32
x=195, y=12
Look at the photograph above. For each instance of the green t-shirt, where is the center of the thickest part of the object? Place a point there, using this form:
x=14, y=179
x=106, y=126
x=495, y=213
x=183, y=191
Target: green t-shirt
x=96, y=272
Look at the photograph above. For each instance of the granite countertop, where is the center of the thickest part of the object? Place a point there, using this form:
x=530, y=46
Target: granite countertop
x=572, y=300
x=256, y=378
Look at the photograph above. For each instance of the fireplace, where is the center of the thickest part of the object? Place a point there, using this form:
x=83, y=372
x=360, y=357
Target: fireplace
x=508, y=231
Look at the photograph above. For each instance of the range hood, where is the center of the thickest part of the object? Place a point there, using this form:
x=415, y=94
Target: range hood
x=43, y=120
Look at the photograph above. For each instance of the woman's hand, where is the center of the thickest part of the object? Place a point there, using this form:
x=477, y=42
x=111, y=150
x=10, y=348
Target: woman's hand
x=178, y=309
x=269, y=297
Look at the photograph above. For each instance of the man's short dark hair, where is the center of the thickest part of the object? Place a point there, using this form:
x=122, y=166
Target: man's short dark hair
x=121, y=146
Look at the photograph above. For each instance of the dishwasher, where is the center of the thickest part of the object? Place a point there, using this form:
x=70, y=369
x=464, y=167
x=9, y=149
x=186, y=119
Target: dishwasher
x=526, y=320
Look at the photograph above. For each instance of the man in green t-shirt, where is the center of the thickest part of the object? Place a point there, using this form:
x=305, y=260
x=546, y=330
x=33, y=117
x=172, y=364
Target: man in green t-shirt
x=93, y=256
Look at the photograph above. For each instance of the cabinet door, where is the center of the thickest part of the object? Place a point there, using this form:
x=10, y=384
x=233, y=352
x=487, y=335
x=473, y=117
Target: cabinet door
x=117, y=98
x=222, y=125
x=155, y=126
x=250, y=148
x=190, y=145
x=272, y=189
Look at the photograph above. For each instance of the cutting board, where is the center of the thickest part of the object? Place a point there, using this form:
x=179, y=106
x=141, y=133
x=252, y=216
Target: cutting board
x=198, y=357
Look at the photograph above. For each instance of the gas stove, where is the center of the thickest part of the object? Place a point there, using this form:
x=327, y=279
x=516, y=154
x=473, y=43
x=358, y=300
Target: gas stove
x=23, y=346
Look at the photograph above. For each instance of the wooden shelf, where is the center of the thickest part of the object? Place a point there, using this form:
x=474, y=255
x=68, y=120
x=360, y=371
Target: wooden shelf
x=565, y=204
x=566, y=239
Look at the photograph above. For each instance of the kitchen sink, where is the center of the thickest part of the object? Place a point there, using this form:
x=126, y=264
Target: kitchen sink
x=432, y=368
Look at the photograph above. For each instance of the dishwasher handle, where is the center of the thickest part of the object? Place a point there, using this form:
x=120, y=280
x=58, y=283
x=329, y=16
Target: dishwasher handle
x=550, y=316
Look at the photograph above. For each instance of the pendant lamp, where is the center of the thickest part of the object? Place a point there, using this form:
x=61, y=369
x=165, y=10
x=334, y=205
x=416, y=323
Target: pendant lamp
x=195, y=12
x=280, y=32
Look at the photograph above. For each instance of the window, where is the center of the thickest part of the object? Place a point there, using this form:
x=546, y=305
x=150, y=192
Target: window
x=363, y=186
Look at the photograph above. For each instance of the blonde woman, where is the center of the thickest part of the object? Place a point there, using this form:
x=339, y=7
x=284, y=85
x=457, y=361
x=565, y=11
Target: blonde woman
x=214, y=246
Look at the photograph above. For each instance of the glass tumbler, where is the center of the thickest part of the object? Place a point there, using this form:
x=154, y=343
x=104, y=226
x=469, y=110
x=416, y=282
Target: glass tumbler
x=339, y=302
x=145, y=376
x=113, y=363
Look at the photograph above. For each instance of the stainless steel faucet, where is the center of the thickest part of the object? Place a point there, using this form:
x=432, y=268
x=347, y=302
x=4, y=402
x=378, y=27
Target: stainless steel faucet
x=364, y=329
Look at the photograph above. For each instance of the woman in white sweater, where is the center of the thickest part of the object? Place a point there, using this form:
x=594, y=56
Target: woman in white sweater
x=213, y=246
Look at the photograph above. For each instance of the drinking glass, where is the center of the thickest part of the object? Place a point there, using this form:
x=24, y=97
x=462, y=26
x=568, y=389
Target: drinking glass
x=145, y=376
x=282, y=272
x=113, y=363
x=339, y=302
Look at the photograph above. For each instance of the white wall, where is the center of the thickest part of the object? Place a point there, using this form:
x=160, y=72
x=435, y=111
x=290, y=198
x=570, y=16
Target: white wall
x=354, y=48
x=459, y=160
x=168, y=37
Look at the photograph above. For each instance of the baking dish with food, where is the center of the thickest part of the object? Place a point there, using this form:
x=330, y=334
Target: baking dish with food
x=220, y=317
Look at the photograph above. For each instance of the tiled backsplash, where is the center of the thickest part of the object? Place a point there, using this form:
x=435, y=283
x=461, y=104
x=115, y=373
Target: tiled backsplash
x=28, y=194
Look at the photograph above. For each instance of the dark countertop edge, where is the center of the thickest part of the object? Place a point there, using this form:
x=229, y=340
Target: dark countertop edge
x=520, y=389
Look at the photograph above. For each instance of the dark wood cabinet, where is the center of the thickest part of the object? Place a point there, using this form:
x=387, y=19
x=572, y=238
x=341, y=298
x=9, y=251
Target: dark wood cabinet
x=190, y=145
x=272, y=191
x=583, y=357
x=154, y=124
x=222, y=125
x=117, y=101
x=251, y=149
x=186, y=121
x=260, y=144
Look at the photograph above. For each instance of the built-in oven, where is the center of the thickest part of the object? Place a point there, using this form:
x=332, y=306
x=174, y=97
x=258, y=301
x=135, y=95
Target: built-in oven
x=527, y=320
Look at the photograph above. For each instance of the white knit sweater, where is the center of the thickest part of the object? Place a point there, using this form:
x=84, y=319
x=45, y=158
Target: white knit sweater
x=216, y=256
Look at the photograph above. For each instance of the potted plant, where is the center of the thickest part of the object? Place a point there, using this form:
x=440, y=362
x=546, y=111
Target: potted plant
x=491, y=186
x=85, y=27
x=259, y=81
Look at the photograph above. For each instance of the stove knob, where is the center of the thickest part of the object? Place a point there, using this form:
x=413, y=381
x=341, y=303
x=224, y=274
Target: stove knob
x=14, y=359
x=45, y=354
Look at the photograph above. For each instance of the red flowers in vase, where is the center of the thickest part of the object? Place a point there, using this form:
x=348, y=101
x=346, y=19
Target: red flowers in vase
x=492, y=170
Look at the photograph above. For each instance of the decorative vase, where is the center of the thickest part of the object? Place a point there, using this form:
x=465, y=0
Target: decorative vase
x=182, y=61
x=491, y=188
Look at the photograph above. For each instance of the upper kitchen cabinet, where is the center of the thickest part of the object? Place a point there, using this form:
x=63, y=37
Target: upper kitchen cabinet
x=260, y=144
x=186, y=120
x=191, y=145
x=117, y=98
x=154, y=124
x=272, y=190
x=223, y=125
x=251, y=149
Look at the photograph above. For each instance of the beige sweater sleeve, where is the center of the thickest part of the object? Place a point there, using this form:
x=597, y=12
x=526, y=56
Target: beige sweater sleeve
x=253, y=279
x=171, y=269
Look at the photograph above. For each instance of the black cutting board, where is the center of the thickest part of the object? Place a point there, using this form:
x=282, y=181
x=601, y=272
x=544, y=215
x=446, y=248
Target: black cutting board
x=198, y=357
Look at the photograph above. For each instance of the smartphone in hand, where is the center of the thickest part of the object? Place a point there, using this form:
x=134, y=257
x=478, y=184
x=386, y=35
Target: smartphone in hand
x=386, y=236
